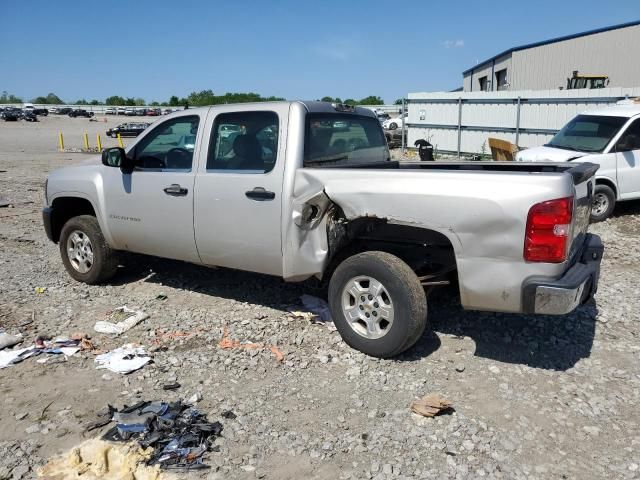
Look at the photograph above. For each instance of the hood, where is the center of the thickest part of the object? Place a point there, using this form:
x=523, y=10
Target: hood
x=548, y=154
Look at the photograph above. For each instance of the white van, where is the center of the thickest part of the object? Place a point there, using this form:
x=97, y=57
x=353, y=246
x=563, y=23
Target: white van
x=609, y=137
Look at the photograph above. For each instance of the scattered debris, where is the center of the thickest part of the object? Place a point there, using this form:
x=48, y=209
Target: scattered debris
x=98, y=459
x=11, y=357
x=431, y=405
x=40, y=289
x=8, y=340
x=171, y=386
x=226, y=342
x=278, y=354
x=125, y=318
x=195, y=398
x=125, y=359
x=161, y=296
x=179, y=434
x=318, y=313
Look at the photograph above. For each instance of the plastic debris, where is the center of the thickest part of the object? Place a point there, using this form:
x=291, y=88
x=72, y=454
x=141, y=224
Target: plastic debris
x=431, y=405
x=8, y=340
x=318, y=311
x=121, y=320
x=179, y=434
x=171, y=386
x=11, y=357
x=125, y=359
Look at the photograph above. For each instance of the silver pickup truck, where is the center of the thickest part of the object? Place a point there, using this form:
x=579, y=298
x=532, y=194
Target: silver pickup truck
x=302, y=189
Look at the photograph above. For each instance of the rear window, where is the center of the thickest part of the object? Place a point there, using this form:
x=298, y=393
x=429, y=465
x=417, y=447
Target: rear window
x=342, y=139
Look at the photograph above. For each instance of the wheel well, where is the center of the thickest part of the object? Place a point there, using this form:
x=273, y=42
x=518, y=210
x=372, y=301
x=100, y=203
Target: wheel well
x=608, y=183
x=428, y=253
x=65, y=208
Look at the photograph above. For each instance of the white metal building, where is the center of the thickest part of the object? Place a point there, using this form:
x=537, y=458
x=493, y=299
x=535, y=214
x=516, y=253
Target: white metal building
x=611, y=51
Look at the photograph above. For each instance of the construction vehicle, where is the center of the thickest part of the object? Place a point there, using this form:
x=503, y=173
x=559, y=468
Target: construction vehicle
x=581, y=80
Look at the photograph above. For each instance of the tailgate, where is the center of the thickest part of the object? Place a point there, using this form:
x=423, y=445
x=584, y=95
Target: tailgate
x=583, y=180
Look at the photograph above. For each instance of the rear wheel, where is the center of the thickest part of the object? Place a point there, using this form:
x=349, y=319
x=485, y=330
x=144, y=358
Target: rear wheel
x=603, y=203
x=393, y=126
x=378, y=304
x=85, y=252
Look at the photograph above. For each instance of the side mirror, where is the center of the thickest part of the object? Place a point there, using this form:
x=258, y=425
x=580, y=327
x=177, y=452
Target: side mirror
x=117, y=157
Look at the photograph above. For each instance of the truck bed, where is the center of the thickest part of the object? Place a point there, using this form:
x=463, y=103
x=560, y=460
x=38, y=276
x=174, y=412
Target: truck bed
x=579, y=171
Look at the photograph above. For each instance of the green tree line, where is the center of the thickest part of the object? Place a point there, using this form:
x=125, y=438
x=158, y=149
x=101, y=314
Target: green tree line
x=194, y=99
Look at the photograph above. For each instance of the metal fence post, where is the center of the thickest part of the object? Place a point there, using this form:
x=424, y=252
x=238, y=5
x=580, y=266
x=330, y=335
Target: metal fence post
x=404, y=147
x=459, y=124
x=518, y=122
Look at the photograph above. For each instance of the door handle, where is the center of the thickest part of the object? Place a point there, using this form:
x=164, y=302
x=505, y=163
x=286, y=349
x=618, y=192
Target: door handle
x=176, y=190
x=260, y=194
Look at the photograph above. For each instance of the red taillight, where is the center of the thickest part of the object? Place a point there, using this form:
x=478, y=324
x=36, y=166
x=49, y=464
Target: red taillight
x=548, y=229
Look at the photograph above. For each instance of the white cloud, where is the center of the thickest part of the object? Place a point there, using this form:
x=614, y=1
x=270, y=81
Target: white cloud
x=341, y=49
x=453, y=43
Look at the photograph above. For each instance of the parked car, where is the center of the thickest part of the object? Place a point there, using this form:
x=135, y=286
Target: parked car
x=383, y=117
x=40, y=111
x=127, y=129
x=110, y=111
x=130, y=112
x=62, y=110
x=154, y=112
x=11, y=114
x=79, y=112
x=29, y=115
x=167, y=111
x=141, y=112
x=608, y=137
x=328, y=202
x=395, y=122
x=121, y=111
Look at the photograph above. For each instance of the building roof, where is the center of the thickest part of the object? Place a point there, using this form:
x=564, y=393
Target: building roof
x=554, y=40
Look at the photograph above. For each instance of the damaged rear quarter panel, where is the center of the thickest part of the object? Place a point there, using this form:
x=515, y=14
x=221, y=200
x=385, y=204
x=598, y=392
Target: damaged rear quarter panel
x=483, y=214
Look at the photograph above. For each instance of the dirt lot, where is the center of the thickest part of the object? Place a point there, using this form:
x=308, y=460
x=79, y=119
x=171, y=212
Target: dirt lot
x=534, y=397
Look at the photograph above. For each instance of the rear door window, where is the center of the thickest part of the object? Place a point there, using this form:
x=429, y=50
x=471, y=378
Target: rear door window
x=244, y=142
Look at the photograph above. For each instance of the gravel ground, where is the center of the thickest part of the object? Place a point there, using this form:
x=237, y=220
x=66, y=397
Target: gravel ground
x=534, y=397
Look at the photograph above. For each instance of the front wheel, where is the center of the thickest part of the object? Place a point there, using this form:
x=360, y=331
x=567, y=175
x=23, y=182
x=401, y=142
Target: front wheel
x=603, y=203
x=85, y=252
x=393, y=126
x=377, y=304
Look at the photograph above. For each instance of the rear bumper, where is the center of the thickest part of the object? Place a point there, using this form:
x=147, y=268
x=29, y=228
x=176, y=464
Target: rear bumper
x=575, y=287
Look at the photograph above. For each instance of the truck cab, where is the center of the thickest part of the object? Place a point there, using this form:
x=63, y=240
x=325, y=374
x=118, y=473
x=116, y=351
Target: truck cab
x=608, y=137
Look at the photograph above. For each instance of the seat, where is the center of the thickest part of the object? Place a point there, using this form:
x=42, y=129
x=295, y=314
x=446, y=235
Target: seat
x=248, y=153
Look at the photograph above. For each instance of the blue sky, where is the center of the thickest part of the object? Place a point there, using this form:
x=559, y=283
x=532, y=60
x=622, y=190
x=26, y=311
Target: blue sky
x=294, y=49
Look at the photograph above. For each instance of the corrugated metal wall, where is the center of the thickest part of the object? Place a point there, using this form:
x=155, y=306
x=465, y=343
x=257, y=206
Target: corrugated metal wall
x=614, y=53
x=435, y=116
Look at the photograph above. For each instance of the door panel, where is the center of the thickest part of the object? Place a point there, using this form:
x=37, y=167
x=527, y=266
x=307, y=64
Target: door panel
x=628, y=161
x=151, y=210
x=629, y=173
x=238, y=207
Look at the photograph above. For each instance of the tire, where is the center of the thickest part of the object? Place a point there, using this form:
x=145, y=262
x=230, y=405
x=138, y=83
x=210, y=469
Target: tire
x=401, y=292
x=104, y=260
x=603, y=203
x=393, y=126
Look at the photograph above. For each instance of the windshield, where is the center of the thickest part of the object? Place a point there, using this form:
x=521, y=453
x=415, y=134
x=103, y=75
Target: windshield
x=587, y=133
x=339, y=138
